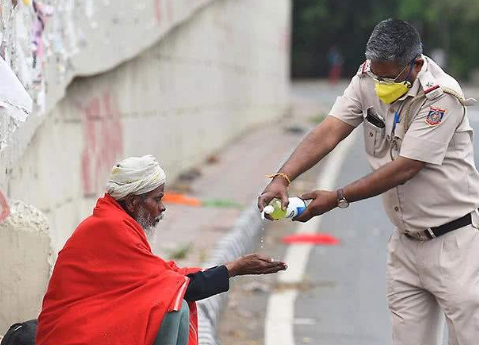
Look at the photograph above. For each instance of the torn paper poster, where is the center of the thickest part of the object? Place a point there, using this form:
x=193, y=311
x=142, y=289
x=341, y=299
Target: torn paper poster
x=13, y=96
x=42, y=12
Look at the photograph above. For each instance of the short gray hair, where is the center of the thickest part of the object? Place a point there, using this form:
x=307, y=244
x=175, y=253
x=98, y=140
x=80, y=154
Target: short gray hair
x=394, y=40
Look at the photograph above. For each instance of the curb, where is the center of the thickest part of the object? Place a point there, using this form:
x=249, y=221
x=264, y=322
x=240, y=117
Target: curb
x=238, y=242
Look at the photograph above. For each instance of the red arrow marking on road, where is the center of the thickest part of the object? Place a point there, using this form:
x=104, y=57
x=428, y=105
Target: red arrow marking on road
x=318, y=239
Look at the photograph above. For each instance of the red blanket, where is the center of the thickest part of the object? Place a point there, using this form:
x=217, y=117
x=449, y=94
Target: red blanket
x=107, y=286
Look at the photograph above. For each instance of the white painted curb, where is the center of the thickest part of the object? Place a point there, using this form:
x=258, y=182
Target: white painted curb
x=238, y=242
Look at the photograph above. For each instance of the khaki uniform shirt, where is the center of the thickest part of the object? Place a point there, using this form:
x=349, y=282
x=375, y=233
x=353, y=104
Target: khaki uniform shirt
x=433, y=127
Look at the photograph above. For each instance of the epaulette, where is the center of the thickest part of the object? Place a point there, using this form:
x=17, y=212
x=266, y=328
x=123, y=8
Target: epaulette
x=364, y=68
x=431, y=88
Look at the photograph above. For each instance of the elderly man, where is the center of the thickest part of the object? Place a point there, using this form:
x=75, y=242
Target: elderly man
x=109, y=288
x=419, y=143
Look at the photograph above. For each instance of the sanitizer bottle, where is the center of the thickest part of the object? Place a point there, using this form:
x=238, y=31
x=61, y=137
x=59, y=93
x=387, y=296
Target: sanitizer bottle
x=295, y=207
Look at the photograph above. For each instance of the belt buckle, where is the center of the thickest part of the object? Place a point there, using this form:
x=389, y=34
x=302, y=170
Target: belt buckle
x=417, y=236
x=410, y=235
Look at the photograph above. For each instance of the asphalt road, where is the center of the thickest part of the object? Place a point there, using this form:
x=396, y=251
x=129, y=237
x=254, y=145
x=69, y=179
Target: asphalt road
x=350, y=308
x=342, y=300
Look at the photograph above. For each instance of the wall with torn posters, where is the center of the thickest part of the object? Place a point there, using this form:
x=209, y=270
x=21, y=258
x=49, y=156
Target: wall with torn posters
x=107, y=79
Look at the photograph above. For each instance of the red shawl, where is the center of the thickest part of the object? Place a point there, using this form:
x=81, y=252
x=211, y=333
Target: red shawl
x=108, y=287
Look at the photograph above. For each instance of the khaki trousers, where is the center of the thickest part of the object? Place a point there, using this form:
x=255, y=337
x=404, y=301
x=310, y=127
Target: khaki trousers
x=429, y=279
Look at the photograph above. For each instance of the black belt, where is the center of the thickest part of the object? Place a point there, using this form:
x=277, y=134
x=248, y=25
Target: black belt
x=445, y=228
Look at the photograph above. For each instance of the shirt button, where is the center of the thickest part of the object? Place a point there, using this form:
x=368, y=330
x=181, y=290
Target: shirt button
x=388, y=137
x=391, y=110
x=396, y=208
x=371, y=134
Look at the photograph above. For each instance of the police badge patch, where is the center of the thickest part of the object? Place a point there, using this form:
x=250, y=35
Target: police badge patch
x=435, y=116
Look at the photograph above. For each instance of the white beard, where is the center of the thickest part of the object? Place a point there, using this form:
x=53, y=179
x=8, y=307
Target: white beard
x=148, y=224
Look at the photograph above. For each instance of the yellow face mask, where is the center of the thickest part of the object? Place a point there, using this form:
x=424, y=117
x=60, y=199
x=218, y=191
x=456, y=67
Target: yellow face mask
x=388, y=90
x=389, y=93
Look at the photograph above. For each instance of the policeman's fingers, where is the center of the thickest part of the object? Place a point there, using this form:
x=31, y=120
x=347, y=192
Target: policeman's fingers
x=284, y=199
x=263, y=200
x=309, y=196
x=268, y=217
x=305, y=216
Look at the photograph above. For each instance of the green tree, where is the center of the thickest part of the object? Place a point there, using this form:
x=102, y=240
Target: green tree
x=321, y=24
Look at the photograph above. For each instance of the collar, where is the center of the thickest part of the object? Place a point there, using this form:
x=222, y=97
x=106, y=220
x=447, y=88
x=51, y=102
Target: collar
x=415, y=89
x=425, y=84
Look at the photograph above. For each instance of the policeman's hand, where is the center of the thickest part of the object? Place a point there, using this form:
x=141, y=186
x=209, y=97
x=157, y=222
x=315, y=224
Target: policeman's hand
x=322, y=202
x=254, y=264
x=278, y=188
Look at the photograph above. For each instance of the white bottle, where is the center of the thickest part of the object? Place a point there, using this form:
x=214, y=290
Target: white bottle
x=295, y=207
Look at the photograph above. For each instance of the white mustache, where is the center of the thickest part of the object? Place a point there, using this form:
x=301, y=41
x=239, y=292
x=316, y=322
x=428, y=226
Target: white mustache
x=160, y=217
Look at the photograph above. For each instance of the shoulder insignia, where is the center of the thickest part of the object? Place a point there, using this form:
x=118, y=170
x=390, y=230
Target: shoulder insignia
x=435, y=116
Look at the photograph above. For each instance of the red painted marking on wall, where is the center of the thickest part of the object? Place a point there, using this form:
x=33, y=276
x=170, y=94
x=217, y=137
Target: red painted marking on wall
x=157, y=6
x=170, y=10
x=103, y=136
x=4, y=208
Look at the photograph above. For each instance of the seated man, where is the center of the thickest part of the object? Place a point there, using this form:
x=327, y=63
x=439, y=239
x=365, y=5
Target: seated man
x=109, y=288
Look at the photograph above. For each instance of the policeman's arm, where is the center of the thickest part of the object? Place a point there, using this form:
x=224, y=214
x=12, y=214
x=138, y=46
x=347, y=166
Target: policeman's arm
x=345, y=115
x=381, y=180
x=316, y=145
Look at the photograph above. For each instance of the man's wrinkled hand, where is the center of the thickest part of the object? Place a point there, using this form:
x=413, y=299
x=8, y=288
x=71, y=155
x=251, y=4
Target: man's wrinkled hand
x=254, y=264
x=277, y=188
x=322, y=202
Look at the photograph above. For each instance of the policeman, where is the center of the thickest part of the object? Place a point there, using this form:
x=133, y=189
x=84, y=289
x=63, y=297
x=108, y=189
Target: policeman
x=420, y=146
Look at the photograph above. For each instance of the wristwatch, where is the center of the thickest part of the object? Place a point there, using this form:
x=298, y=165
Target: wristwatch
x=342, y=202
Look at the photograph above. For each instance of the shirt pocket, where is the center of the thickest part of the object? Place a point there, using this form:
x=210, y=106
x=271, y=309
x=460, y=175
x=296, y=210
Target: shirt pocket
x=374, y=139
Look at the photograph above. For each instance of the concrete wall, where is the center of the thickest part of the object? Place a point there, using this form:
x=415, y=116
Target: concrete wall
x=25, y=246
x=212, y=76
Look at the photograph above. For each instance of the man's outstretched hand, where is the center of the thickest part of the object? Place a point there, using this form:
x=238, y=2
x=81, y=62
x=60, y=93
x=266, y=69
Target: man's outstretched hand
x=254, y=264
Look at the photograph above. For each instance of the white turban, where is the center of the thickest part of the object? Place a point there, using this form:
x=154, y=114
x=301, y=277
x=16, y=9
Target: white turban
x=135, y=175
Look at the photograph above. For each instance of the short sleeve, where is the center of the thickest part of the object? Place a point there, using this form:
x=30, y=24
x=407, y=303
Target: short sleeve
x=348, y=107
x=431, y=130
